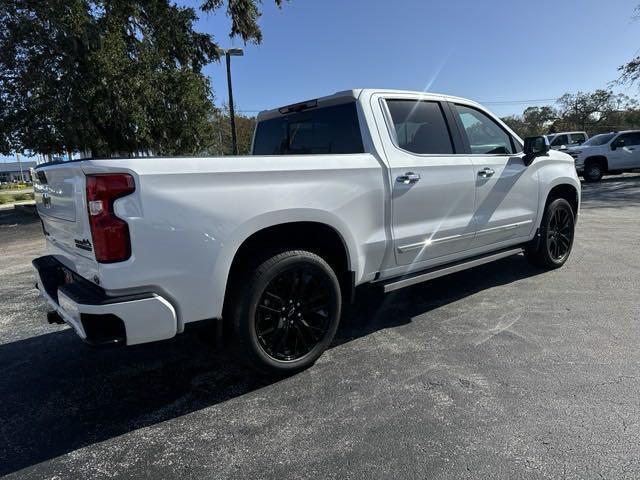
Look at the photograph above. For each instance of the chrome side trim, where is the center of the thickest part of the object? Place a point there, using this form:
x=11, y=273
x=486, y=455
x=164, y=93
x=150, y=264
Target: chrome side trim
x=419, y=245
x=446, y=270
x=502, y=228
x=486, y=231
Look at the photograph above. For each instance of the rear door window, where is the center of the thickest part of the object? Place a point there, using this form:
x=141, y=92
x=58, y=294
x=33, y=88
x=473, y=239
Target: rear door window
x=324, y=130
x=420, y=127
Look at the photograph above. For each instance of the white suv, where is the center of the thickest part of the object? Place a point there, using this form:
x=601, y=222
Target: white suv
x=609, y=153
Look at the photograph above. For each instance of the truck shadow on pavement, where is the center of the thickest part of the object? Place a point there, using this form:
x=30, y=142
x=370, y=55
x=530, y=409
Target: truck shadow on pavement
x=57, y=395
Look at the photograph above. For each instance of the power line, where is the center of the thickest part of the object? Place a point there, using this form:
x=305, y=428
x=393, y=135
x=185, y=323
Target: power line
x=520, y=102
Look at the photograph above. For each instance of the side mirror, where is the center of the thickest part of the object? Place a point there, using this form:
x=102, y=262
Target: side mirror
x=535, y=147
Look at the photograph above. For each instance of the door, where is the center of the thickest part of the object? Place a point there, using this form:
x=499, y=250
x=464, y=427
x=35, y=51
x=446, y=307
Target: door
x=506, y=190
x=432, y=192
x=625, y=151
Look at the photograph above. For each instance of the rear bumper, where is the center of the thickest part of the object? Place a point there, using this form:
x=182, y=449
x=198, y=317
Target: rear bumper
x=101, y=319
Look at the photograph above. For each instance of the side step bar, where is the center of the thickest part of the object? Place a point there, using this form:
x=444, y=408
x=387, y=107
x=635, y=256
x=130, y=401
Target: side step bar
x=441, y=271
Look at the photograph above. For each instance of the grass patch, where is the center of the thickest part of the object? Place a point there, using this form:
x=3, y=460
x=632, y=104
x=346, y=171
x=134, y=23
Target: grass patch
x=16, y=197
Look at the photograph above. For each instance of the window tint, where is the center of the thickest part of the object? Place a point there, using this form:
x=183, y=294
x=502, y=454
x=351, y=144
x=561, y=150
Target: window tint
x=484, y=134
x=420, y=127
x=560, y=140
x=578, y=138
x=627, y=139
x=320, y=130
x=599, y=139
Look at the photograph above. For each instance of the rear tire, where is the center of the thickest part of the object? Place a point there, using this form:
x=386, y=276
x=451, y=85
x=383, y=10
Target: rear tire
x=553, y=247
x=286, y=311
x=593, y=171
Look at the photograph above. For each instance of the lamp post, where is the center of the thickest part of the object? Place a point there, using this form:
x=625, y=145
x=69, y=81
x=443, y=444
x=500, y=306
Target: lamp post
x=232, y=52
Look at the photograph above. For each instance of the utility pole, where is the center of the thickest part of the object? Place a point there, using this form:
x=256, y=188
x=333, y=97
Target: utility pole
x=232, y=52
x=20, y=165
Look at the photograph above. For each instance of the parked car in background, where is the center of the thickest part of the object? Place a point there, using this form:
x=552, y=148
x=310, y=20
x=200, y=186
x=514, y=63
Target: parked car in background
x=564, y=140
x=364, y=186
x=607, y=154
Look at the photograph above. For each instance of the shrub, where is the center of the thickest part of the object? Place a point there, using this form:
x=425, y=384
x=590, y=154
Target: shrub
x=23, y=196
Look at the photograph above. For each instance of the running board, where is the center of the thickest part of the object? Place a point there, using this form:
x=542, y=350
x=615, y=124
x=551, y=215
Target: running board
x=424, y=275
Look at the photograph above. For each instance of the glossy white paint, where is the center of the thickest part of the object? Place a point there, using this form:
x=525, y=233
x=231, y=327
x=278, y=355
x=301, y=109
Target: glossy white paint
x=189, y=216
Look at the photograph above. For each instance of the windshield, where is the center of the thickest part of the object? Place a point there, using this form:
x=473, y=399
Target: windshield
x=599, y=139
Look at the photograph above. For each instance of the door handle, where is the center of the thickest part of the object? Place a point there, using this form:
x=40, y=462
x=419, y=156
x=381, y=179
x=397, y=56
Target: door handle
x=486, y=172
x=408, y=178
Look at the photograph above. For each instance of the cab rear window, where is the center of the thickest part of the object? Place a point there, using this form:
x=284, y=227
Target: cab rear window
x=324, y=130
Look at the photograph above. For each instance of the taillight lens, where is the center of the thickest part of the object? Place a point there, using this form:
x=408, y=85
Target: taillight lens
x=111, y=241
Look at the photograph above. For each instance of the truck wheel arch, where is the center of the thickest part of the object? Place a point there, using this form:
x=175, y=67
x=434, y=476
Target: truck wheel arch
x=317, y=237
x=566, y=191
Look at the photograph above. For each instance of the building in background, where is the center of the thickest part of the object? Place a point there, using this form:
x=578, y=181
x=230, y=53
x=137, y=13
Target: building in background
x=11, y=171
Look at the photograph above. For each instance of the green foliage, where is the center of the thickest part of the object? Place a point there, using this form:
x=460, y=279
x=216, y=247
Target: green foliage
x=244, y=15
x=221, y=144
x=16, y=197
x=110, y=77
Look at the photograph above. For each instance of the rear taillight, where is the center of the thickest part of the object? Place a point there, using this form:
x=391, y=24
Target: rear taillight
x=111, y=242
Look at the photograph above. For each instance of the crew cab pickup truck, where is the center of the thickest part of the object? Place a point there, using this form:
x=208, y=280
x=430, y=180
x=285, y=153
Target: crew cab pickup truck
x=607, y=154
x=363, y=186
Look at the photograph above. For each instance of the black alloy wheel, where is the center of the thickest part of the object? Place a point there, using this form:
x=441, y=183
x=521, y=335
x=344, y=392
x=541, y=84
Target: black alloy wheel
x=293, y=313
x=560, y=234
x=557, y=229
x=286, y=311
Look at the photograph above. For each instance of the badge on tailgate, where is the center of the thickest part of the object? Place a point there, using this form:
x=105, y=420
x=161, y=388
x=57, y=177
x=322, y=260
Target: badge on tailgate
x=84, y=244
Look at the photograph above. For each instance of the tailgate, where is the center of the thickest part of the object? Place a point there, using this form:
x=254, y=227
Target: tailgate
x=62, y=206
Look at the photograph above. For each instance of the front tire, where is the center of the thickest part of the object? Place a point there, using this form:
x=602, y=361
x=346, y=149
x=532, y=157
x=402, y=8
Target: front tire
x=557, y=230
x=286, y=311
x=593, y=171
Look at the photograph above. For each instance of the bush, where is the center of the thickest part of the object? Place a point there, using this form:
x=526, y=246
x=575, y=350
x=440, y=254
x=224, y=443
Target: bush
x=18, y=197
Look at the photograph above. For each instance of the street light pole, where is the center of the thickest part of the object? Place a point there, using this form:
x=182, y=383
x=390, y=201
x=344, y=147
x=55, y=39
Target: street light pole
x=20, y=165
x=232, y=52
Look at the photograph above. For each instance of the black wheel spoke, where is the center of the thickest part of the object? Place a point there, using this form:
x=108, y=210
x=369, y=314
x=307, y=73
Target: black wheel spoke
x=269, y=309
x=273, y=297
x=560, y=233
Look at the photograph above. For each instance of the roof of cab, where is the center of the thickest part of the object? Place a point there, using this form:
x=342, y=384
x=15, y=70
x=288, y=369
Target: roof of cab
x=348, y=95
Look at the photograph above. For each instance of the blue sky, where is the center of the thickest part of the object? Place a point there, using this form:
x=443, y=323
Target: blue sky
x=487, y=50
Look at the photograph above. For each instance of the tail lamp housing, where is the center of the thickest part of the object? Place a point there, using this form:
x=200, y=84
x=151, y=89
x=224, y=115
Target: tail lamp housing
x=110, y=234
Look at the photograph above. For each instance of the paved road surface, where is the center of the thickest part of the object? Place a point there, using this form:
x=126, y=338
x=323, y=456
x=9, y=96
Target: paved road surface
x=500, y=372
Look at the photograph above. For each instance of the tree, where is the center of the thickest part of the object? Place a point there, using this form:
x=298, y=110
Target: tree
x=109, y=76
x=630, y=72
x=221, y=144
x=594, y=112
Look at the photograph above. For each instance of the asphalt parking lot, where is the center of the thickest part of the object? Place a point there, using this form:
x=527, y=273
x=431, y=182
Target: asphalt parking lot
x=504, y=371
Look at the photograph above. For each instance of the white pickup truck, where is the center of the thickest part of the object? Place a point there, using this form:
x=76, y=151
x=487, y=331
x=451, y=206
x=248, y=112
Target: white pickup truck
x=363, y=186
